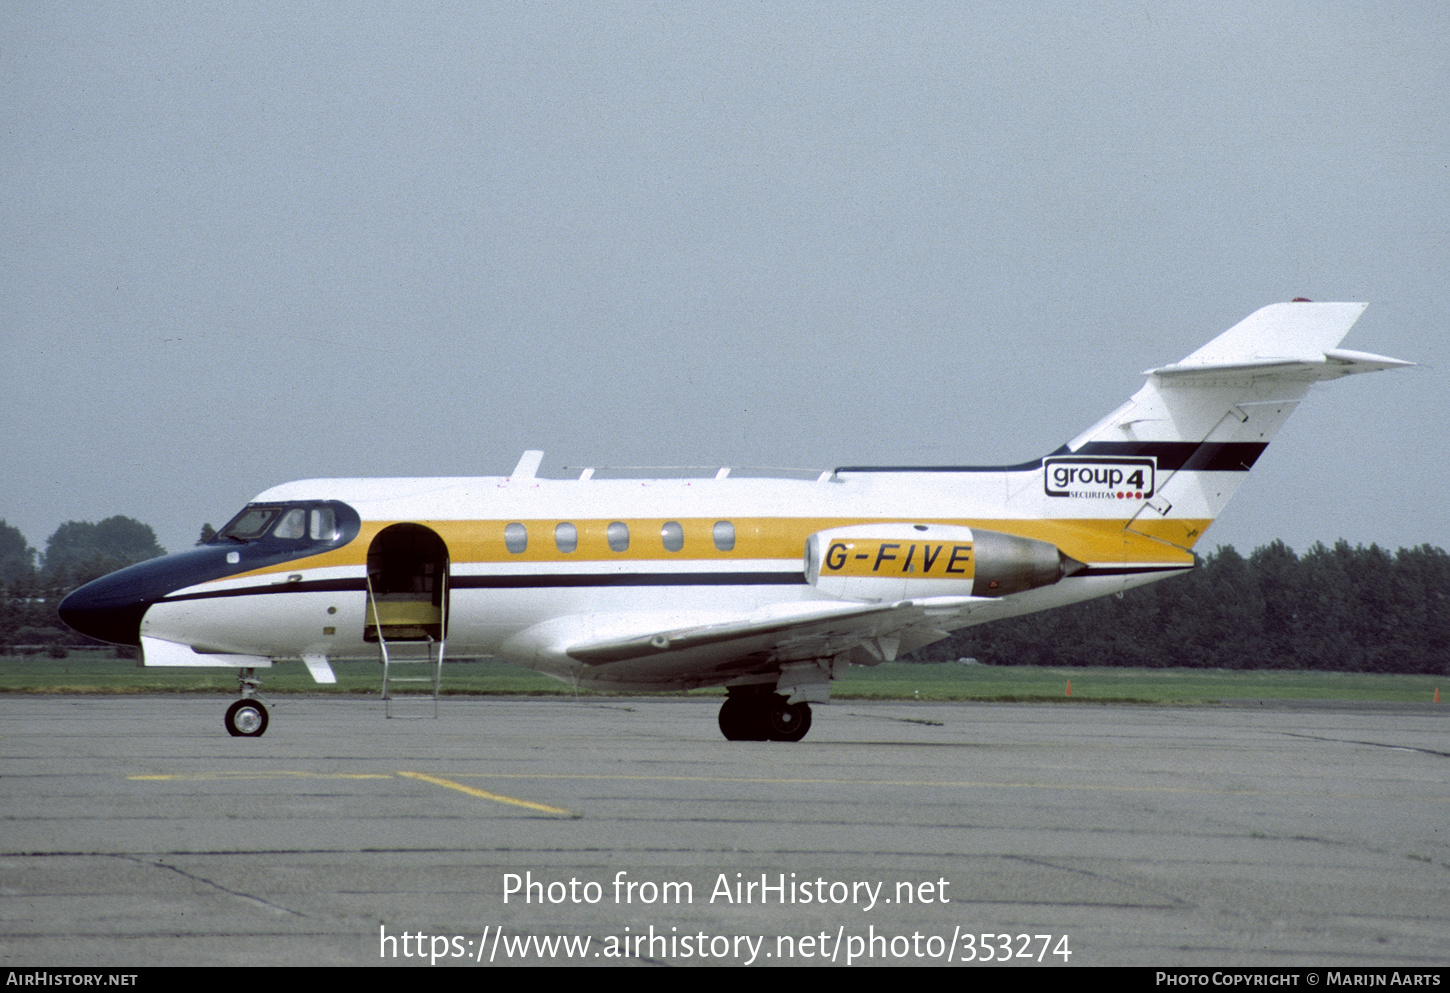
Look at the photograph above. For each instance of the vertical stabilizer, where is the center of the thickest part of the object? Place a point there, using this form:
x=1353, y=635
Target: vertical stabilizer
x=1198, y=426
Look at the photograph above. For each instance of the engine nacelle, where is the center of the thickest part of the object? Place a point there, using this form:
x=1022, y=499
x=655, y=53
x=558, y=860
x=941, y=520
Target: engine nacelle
x=886, y=562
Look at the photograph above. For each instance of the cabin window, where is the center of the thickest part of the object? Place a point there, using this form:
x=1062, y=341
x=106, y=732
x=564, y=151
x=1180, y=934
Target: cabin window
x=618, y=535
x=516, y=537
x=673, y=536
x=566, y=537
x=292, y=525
x=724, y=534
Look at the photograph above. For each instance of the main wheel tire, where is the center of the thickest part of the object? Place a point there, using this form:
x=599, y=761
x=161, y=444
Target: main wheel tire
x=739, y=721
x=246, y=719
x=788, y=721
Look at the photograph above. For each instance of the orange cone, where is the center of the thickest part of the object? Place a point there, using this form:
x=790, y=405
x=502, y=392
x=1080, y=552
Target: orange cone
x=1437, y=694
x=1069, y=690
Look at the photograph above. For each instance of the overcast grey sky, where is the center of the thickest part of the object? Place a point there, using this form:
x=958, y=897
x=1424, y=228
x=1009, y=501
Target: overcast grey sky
x=248, y=243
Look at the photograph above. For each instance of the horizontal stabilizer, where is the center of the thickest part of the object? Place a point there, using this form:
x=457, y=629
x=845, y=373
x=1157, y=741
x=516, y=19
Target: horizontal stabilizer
x=1331, y=365
x=1284, y=340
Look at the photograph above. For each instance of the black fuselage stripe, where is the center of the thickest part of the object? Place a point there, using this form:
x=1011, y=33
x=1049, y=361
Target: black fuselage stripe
x=606, y=580
x=1208, y=456
x=554, y=581
x=630, y=579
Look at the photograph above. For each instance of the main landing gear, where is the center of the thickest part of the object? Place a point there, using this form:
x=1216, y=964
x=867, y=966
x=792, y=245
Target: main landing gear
x=758, y=713
x=247, y=718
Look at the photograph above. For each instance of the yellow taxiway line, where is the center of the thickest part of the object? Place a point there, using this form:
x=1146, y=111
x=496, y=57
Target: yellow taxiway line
x=301, y=774
x=270, y=774
x=484, y=794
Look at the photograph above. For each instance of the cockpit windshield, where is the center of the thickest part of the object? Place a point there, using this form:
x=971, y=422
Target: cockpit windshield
x=312, y=523
x=249, y=524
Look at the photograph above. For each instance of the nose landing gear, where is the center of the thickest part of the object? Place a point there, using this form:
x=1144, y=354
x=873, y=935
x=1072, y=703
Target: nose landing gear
x=247, y=718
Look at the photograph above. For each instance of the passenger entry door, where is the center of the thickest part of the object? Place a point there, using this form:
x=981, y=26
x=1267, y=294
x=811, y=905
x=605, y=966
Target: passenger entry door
x=407, y=585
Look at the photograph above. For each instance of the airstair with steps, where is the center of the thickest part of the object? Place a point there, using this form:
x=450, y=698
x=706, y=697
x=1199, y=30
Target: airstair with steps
x=412, y=643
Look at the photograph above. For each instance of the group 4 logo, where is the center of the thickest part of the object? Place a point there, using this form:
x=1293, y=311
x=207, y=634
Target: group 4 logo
x=1099, y=477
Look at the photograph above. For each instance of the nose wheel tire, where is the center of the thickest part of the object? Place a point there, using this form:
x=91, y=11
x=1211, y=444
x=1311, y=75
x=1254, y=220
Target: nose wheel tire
x=246, y=719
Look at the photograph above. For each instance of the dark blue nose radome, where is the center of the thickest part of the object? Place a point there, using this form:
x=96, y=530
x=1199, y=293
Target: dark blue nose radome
x=97, y=611
x=111, y=608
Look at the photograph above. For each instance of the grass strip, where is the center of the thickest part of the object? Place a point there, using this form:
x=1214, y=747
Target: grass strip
x=101, y=672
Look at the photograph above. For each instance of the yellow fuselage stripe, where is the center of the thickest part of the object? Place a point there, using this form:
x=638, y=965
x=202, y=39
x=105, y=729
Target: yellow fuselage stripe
x=1089, y=540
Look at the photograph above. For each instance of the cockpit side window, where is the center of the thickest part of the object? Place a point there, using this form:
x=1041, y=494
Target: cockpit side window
x=293, y=524
x=324, y=524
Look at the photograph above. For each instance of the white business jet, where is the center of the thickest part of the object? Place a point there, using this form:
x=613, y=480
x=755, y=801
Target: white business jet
x=767, y=587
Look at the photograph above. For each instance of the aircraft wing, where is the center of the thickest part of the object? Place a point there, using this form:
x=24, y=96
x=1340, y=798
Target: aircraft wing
x=877, y=632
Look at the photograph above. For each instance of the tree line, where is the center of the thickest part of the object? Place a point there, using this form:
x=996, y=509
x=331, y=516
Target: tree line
x=32, y=584
x=1349, y=609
